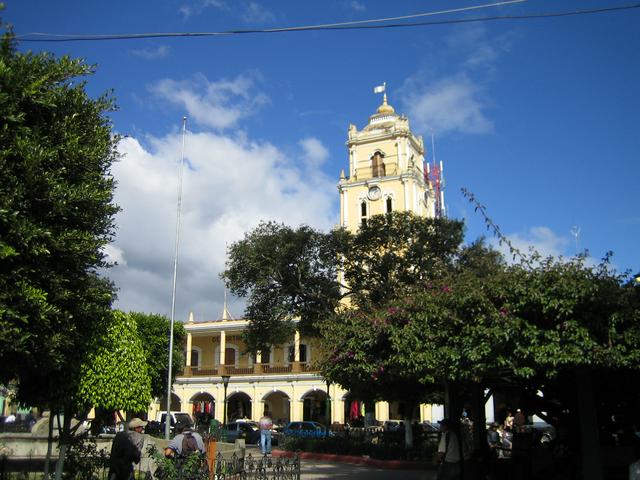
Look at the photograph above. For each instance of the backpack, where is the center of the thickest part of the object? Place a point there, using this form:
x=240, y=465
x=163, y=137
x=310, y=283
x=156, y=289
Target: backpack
x=189, y=444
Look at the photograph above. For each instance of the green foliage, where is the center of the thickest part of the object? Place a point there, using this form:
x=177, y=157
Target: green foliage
x=285, y=273
x=115, y=375
x=393, y=251
x=154, y=332
x=193, y=467
x=56, y=215
x=83, y=460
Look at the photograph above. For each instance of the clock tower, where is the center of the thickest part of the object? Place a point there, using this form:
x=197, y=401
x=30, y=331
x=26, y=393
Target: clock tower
x=386, y=170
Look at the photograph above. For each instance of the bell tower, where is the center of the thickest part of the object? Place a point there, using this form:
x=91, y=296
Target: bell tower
x=386, y=170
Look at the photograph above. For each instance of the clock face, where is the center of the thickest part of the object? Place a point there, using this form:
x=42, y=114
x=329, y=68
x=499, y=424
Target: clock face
x=374, y=193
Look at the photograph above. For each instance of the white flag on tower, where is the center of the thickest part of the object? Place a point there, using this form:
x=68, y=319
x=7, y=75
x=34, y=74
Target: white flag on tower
x=379, y=89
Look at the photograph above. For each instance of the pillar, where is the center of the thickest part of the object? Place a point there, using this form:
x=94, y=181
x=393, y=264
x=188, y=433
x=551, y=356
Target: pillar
x=188, y=359
x=223, y=347
x=296, y=347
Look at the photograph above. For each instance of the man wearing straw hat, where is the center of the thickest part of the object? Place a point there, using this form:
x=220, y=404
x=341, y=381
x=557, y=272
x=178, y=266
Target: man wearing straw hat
x=126, y=450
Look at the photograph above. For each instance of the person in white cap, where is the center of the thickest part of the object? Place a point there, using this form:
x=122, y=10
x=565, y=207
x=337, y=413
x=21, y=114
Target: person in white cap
x=126, y=450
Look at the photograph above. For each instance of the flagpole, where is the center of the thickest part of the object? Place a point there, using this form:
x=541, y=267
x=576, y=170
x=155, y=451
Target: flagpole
x=167, y=420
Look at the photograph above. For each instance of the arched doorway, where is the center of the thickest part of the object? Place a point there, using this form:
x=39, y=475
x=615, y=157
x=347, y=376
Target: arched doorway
x=176, y=405
x=203, y=408
x=278, y=405
x=357, y=412
x=314, y=406
x=238, y=406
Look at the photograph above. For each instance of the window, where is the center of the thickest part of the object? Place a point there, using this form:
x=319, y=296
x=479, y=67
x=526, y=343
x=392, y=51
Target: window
x=363, y=213
x=230, y=356
x=378, y=168
x=292, y=353
x=389, y=204
x=195, y=358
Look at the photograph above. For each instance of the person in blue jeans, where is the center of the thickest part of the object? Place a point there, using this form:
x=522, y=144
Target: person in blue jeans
x=266, y=425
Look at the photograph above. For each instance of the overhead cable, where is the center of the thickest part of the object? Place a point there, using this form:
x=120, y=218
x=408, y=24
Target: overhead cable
x=358, y=25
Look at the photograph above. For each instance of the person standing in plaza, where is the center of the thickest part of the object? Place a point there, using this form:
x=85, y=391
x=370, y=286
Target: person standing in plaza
x=449, y=454
x=266, y=425
x=126, y=450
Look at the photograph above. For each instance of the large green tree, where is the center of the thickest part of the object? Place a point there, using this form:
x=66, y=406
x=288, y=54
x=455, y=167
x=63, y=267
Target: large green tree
x=56, y=216
x=154, y=332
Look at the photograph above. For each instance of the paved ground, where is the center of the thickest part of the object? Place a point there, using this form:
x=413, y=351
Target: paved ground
x=343, y=471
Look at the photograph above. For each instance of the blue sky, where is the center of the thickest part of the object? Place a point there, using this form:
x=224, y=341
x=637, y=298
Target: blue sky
x=538, y=118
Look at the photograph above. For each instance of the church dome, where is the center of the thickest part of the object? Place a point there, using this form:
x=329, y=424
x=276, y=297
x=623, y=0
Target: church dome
x=385, y=108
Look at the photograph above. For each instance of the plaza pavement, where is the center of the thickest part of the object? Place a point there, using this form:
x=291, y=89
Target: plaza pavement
x=315, y=469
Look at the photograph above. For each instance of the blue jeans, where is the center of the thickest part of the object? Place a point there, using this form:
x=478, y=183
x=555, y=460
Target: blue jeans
x=265, y=441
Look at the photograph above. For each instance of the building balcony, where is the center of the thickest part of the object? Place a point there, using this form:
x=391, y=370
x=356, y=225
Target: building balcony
x=257, y=369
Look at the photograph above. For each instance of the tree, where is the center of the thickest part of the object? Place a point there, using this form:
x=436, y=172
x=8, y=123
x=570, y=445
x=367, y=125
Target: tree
x=285, y=274
x=154, y=332
x=56, y=216
x=115, y=375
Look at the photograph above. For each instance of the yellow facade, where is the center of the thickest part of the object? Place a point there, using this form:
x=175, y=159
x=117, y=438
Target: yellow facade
x=385, y=174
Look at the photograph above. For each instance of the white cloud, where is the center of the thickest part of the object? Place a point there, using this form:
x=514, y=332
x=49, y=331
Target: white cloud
x=229, y=185
x=256, y=13
x=151, y=53
x=448, y=105
x=314, y=152
x=357, y=6
x=541, y=239
x=196, y=7
x=114, y=254
x=219, y=104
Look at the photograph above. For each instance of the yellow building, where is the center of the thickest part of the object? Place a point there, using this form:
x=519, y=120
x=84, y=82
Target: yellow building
x=385, y=174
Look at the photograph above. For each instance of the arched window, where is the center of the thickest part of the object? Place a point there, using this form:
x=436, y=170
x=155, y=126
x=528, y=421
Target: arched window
x=389, y=205
x=363, y=213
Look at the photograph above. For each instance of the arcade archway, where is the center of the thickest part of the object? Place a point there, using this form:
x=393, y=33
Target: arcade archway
x=278, y=405
x=314, y=406
x=203, y=408
x=238, y=406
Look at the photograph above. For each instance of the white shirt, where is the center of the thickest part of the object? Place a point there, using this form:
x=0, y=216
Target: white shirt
x=452, y=449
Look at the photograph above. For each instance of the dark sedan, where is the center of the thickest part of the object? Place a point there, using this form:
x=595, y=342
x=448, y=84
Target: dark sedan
x=249, y=431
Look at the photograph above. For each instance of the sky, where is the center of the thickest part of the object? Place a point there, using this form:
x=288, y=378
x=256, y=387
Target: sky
x=538, y=118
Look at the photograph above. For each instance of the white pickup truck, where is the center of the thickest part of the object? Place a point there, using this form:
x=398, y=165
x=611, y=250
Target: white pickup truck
x=182, y=418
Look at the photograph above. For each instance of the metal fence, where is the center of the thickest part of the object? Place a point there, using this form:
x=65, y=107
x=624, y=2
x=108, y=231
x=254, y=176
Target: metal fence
x=257, y=468
x=233, y=468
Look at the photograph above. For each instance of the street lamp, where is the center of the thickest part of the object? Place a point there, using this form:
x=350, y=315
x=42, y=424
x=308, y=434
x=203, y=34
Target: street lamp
x=225, y=382
x=328, y=408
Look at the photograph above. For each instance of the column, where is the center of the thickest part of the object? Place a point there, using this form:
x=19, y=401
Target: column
x=223, y=347
x=220, y=403
x=188, y=360
x=257, y=367
x=296, y=347
x=382, y=411
x=406, y=195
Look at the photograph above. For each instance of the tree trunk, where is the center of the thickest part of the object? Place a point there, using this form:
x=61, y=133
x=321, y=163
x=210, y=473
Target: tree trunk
x=47, y=461
x=452, y=401
x=408, y=425
x=588, y=421
x=65, y=435
x=479, y=417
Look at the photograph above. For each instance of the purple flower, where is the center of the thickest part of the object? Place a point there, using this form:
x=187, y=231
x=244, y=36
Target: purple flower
x=392, y=310
x=503, y=312
x=446, y=289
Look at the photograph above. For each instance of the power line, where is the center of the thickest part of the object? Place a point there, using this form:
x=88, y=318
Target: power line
x=343, y=26
x=65, y=37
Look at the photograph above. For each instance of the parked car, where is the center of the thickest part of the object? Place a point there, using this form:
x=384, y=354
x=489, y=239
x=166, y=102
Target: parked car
x=305, y=429
x=249, y=431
